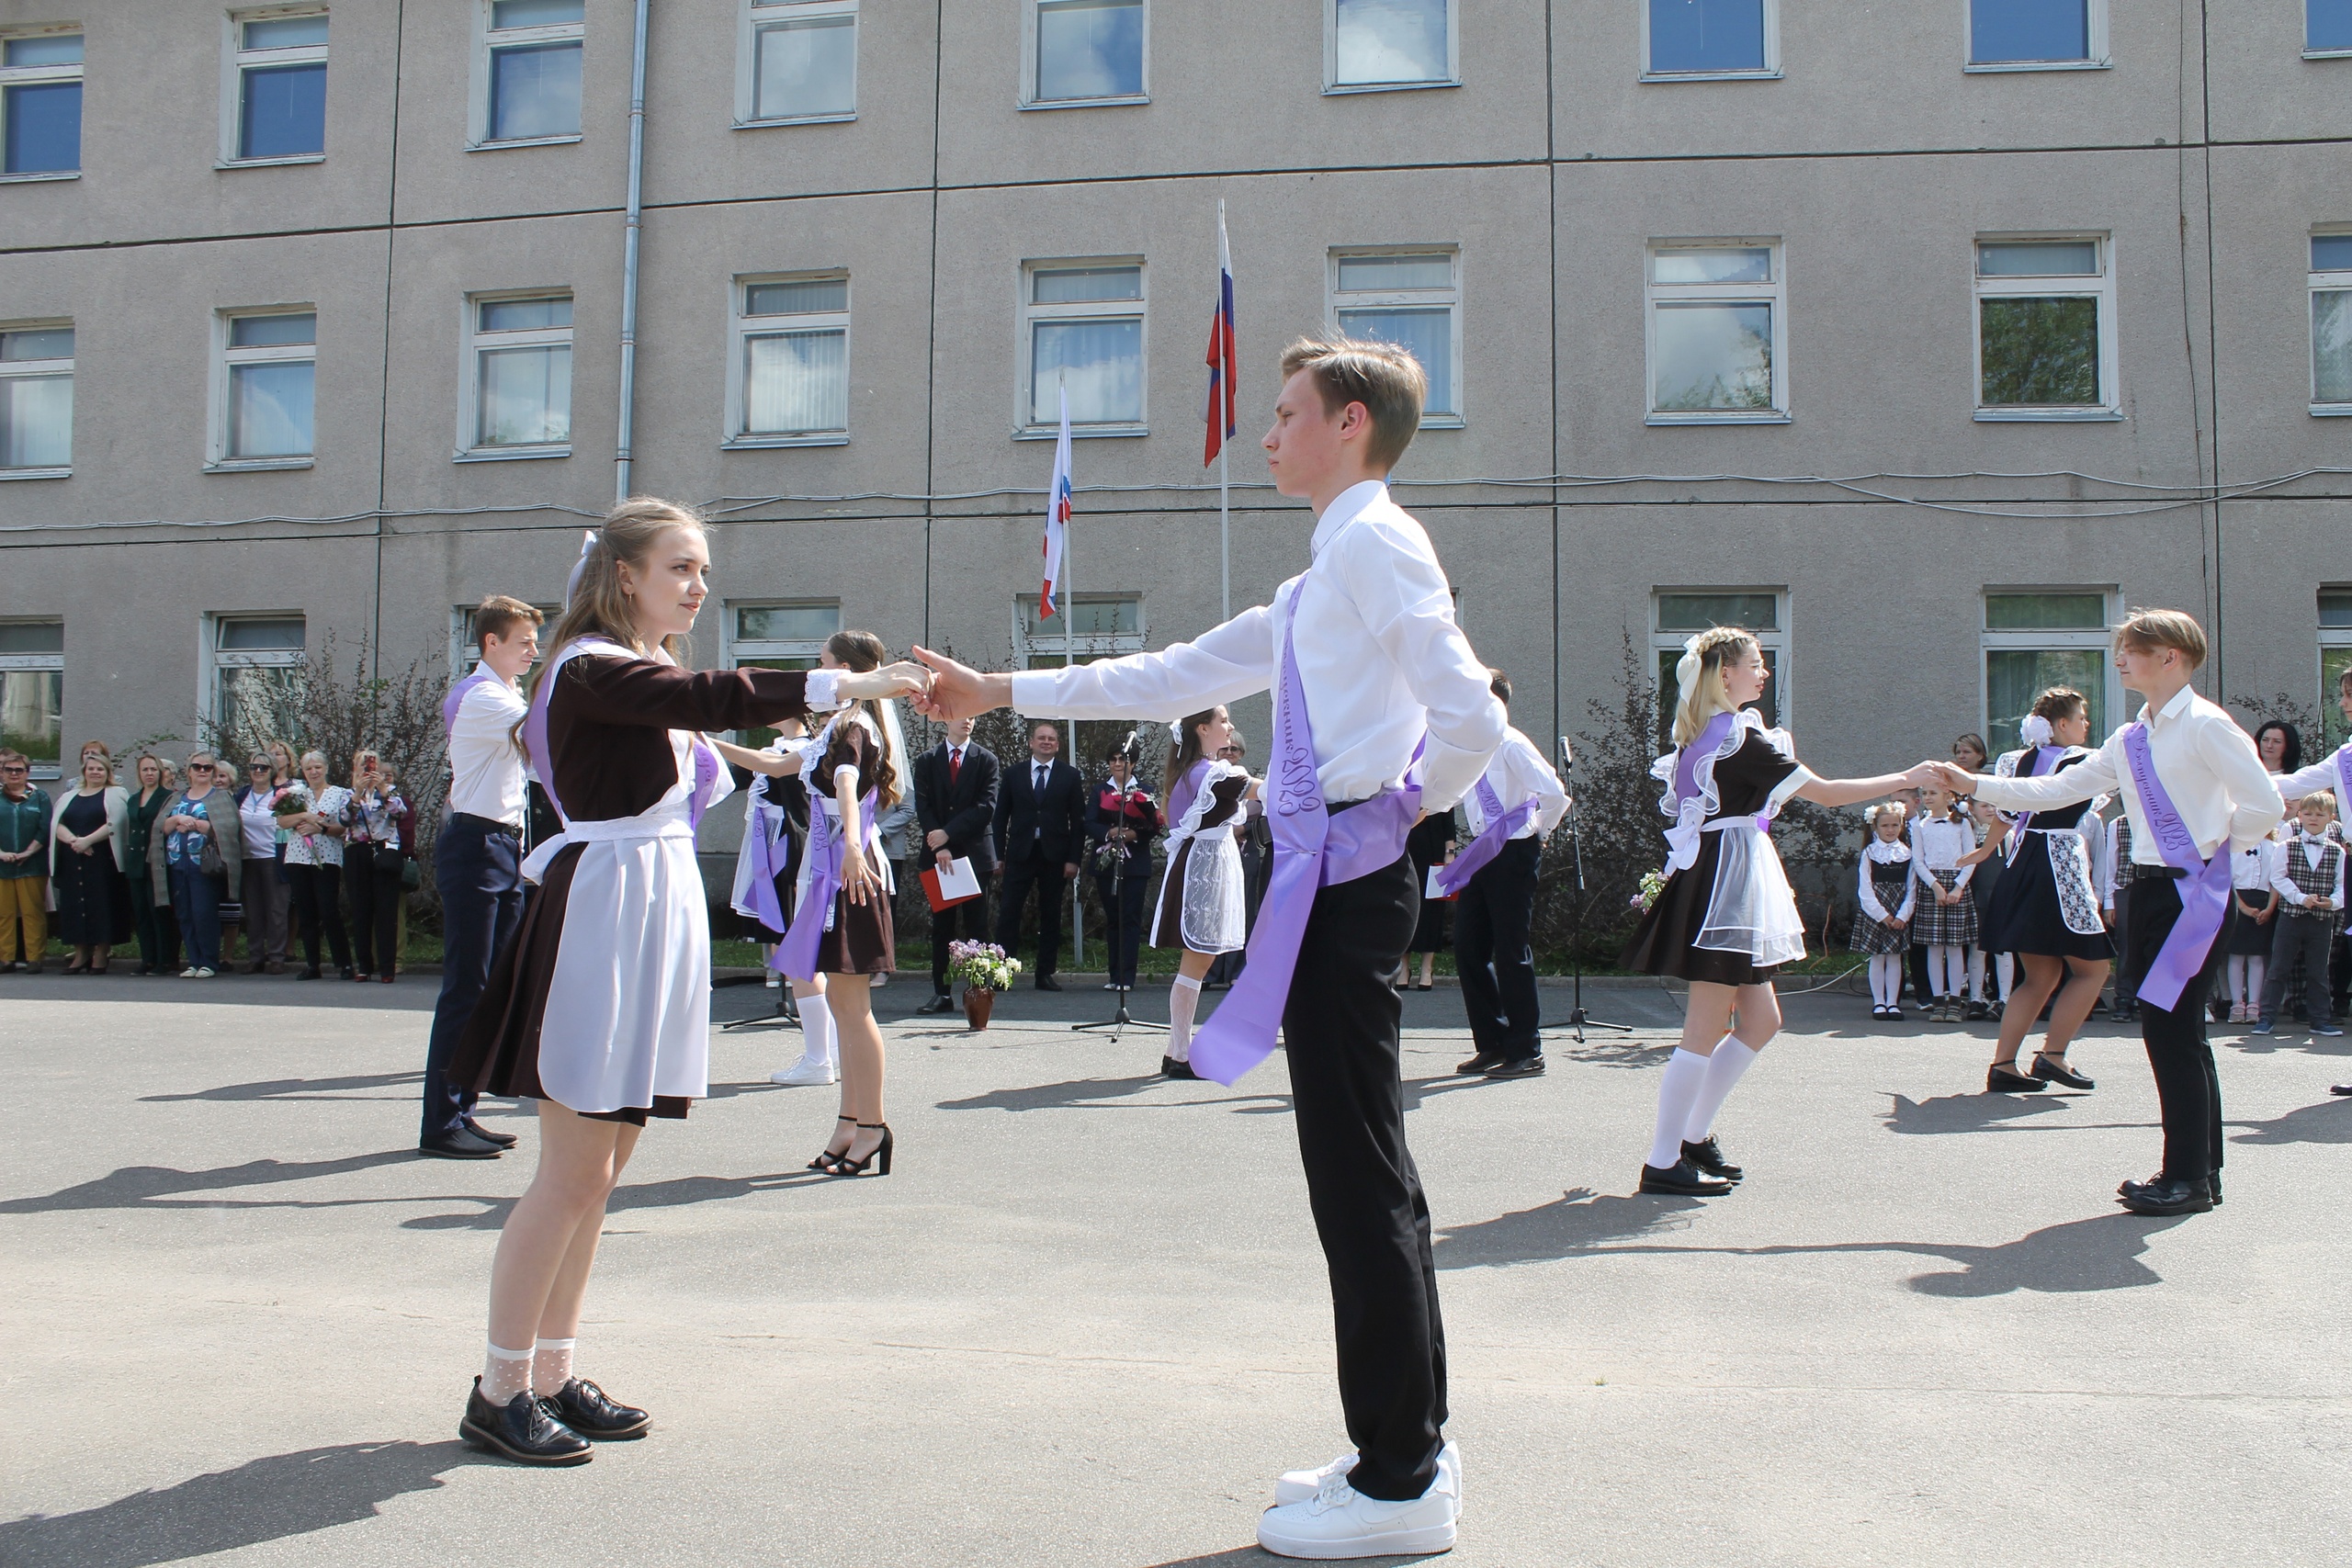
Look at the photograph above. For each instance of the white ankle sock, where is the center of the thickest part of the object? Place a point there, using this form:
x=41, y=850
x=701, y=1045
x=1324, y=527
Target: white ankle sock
x=505, y=1374
x=1678, y=1088
x=1723, y=1069
x=551, y=1366
x=1184, y=999
x=817, y=1032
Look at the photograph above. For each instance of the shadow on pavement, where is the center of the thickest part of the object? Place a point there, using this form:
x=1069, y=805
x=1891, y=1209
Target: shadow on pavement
x=1617, y=1052
x=1978, y=1112
x=296, y=1088
x=410, y=993
x=144, y=1186
x=1102, y=1094
x=2329, y=1122
x=1241, y=1554
x=262, y=1500
x=675, y=1193
x=1578, y=1222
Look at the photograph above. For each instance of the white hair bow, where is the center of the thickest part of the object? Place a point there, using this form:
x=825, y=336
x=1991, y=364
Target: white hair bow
x=1176, y=732
x=571, y=584
x=1686, y=669
x=2035, y=730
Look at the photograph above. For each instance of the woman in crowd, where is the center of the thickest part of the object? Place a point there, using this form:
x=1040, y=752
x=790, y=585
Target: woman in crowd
x=197, y=855
x=314, y=863
x=151, y=917
x=378, y=827
x=284, y=767
x=265, y=902
x=1430, y=843
x=88, y=843
x=2282, y=744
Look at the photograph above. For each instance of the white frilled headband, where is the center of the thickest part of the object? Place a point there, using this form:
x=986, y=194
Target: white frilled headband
x=580, y=567
x=2035, y=730
x=1686, y=669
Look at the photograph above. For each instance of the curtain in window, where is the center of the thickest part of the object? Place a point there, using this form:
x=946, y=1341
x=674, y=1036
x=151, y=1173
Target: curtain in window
x=269, y=410
x=1426, y=334
x=526, y=395
x=31, y=702
x=285, y=112
x=1104, y=362
x=2332, y=347
x=535, y=91
x=808, y=68
x=2015, y=676
x=1380, y=41
x=796, y=382
x=36, y=421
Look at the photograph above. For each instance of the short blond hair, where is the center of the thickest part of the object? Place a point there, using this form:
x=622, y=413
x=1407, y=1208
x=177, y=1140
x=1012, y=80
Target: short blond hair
x=2324, y=796
x=1386, y=379
x=2145, y=629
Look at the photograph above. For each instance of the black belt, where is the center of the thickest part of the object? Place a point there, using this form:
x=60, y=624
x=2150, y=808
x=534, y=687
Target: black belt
x=485, y=824
x=2143, y=873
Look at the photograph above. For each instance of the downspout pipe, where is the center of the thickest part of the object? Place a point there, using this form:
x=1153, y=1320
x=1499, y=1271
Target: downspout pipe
x=634, y=229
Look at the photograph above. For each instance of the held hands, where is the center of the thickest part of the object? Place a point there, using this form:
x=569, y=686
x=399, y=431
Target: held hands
x=1942, y=774
x=958, y=691
x=903, y=679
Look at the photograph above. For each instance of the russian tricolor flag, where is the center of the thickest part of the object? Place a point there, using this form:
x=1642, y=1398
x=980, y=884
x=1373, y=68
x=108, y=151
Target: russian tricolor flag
x=1222, y=361
x=1057, y=509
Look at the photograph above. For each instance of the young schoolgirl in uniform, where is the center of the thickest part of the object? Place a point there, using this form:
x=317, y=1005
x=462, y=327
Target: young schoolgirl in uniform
x=1943, y=860
x=1201, y=907
x=775, y=835
x=1885, y=895
x=1725, y=919
x=2253, y=917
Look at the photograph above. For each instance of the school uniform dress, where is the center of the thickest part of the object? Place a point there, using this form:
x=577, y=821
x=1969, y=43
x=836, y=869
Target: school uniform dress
x=1883, y=886
x=1204, y=899
x=859, y=939
x=777, y=808
x=602, y=1000
x=2252, y=871
x=2048, y=902
x=1727, y=914
x=1938, y=845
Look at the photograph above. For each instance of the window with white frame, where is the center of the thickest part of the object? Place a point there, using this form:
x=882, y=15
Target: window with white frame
x=32, y=692
x=2036, y=35
x=275, y=101
x=37, y=400
x=1762, y=613
x=1710, y=40
x=265, y=384
x=1375, y=45
x=2045, y=329
x=255, y=669
x=526, y=71
x=465, y=648
x=2334, y=658
x=790, y=386
x=41, y=106
x=2327, y=33
x=1084, y=627
x=778, y=636
x=1412, y=298
x=1085, y=51
x=2332, y=323
x=797, y=62
x=517, y=400
x=2039, y=637
x=1717, y=332
x=1082, y=327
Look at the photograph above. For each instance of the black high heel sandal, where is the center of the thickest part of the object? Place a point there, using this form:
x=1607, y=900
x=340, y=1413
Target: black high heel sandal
x=826, y=1157
x=845, y=1165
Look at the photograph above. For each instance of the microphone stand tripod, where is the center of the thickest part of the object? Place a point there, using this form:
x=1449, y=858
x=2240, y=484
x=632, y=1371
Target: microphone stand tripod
x=1115, y=919
x=1578, y=1019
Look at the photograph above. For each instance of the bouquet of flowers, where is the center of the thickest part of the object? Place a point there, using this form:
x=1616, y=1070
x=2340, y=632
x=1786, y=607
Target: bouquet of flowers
x=292, y=803
x=1652, y=884
x=983, y=963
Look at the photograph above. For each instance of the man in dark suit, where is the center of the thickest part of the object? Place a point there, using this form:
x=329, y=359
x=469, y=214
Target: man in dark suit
x=1040, y=838
x=956, y=792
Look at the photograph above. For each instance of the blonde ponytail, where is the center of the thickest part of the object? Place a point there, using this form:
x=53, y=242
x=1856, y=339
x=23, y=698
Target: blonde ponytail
x=1699, y=675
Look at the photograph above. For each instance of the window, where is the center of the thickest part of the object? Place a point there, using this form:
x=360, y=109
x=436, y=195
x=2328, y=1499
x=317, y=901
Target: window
x=790, y=385
x=778, y=636
x=1085, y=51
x=2037, y=34
x=1082, y=327
x=2045, y=329
x=1717, y=332
x=465, y=649
x=255, y=679
x=1375, y=45
x=527, y=72
x=1701, y=39
x=2327, y=30
x=2332, y=323
x=1762, y=611
x=32, y=692
x=797, y=62
x=517, y=400
x=2334, y=658
x=268, y=370
x=41, y=106
x=37, y=401
x=276, y=105
x=1414, y=300
x=1092, y=627
x=2036, y=638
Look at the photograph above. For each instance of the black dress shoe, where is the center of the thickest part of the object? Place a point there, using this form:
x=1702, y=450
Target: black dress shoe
x=1518, y=1067
x=521, y=1429
x=1683, y=1179
x=460, y=1145
x=582, y=1406
x=938, y=1004
x=1169, y=1067
x=2214, y=1185
x=1999, y=1080
x=1480, y=1062
x=503, y=1140
x=2339, y=1089
x=1047, y=983
x=1708, y=1155
x=2051, y=1071
x=2170, y=1195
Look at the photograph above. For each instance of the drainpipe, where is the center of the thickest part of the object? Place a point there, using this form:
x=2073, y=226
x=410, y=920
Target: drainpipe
x=635, y=226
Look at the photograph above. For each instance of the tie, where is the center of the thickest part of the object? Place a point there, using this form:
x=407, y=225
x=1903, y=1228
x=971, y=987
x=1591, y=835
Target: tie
x=954, y=764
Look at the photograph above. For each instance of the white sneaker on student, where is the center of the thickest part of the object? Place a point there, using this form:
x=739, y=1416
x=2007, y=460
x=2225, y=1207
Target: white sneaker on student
x=806, y=1072
x=1298, y=1485
x=1338, y=1521
x=774, y=981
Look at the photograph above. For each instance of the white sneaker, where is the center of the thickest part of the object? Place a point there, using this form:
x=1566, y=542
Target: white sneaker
x=1298, y=1485
x=1340, y=1522
x=188, y=973
x=774, y=980
x=807, y=1073
x=201, y=975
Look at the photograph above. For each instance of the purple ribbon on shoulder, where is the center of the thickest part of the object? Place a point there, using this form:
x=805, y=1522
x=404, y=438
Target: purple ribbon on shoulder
x=1313, y=850
x=455, y=699
x=2343, y=780
x=796, y=955
x=2204, y=891
x=535, y=734
x=1456, y=874
x=766, y=907
x=1686, y=765
x=2043, y=758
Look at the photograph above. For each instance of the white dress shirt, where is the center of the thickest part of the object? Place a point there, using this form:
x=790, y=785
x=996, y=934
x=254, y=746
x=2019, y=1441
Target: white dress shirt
x=2319, y=775
x=485, y=765
x=1940, y=843
x=1379, y=657
x=2209, y=766
x=1520, y=772
x=2310, y=849
x=2255, y=867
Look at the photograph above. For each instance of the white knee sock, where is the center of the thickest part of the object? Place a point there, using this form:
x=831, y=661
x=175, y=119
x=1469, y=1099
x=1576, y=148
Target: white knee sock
x=1678, y=1090
x=1723, y=1069
x=551, y=1366
x=505, y=1374
x=817, y=1032
x=1976, y=973
x=1946, y=973
x=2004, y=967
x=1184, y=998
x=2257, y=969
x=2233, y=988
x=1886, y=979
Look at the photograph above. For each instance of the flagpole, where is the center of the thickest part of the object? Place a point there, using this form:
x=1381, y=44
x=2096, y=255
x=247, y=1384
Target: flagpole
x=1069, y=662
x=1224, y=493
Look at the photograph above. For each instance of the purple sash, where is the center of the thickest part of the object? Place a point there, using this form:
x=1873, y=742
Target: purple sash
x=1456, y=874
x=450, y=703
x=1686, y=766
x=2204, y=891
x=796, y=955
x=1313, y=850
x=761, y=852
x=2041, y=754
x=2343, y=780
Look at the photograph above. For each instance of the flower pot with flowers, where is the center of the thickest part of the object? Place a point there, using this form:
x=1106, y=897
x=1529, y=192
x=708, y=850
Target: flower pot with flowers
x=985, y=968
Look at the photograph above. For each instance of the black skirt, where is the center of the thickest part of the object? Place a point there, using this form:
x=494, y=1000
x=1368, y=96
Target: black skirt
x=2246, y=938
x=1661, y=943
x=2025, y=914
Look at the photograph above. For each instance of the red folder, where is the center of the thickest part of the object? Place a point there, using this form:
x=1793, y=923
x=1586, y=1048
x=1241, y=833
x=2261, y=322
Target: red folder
x=931, y=891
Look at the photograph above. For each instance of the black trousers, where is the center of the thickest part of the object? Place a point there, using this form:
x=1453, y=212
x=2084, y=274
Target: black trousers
x=2187, y=1088
x=1123, y=919
x=1341, y=1027
x=1491, y=953
x=318, y=901
x=375, y=894
x=957, y=922
x=477, y=865
x=1038, y=870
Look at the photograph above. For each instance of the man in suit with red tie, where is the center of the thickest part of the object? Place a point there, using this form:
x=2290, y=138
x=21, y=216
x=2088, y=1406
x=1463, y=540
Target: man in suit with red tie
x=956, y=791
x=1040, y=838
